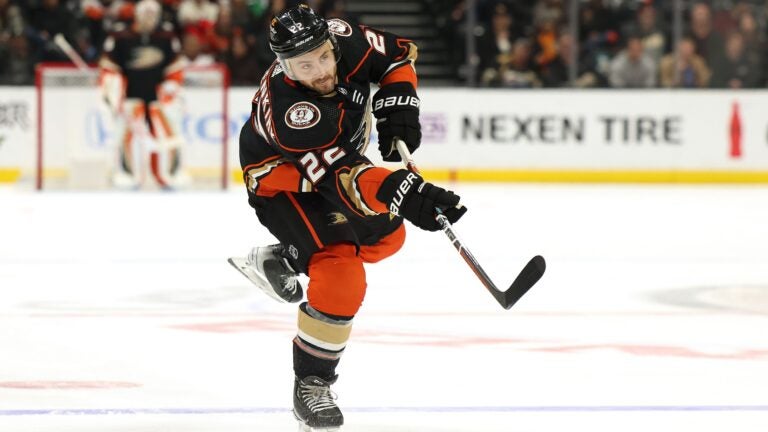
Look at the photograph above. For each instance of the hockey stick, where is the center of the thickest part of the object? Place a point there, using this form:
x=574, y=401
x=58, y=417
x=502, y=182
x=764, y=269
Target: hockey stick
x=70, y=52
x=531, y=273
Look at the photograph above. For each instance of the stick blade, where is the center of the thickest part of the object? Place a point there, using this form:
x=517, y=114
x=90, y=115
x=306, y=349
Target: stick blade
x=531, y=273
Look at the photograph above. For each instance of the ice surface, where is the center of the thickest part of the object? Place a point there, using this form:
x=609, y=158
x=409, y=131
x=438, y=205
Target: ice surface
x=119, y=312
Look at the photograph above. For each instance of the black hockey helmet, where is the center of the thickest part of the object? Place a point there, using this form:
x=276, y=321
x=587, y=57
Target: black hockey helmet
x=298, y=30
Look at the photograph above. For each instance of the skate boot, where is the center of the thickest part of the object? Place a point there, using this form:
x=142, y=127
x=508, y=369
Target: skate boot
x=314, y=406
x=269, y=270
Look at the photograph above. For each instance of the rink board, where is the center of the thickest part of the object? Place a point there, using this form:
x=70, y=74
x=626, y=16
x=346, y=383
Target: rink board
x=659, y=136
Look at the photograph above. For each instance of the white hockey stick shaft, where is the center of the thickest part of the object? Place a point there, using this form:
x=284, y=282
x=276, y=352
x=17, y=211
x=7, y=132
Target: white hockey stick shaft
x=70, y=52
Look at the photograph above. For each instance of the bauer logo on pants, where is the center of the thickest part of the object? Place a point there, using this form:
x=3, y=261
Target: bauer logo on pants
x=302, y=115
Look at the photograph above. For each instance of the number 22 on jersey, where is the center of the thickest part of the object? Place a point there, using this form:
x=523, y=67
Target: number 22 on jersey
x=315, y=167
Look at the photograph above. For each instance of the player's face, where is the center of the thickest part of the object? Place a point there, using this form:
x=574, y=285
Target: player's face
x=316, y=69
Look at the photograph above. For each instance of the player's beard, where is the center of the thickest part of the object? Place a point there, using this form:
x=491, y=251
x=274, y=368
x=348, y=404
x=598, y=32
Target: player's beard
x=324, y=85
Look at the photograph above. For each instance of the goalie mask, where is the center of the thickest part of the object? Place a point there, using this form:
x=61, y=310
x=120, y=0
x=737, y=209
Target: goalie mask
x=298, y=31
x=147, y=15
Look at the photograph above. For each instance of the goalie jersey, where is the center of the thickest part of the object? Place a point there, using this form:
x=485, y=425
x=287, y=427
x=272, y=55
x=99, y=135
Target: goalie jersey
x=144, y=60
x=299, y=141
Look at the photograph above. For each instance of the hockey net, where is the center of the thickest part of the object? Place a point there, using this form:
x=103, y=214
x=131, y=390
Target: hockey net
x=76, y=143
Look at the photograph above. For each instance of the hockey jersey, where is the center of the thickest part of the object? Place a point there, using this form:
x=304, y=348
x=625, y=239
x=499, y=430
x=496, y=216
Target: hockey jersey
x=144, y=60
x=299, y=141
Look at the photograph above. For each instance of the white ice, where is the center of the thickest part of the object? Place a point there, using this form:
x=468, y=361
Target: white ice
x=119, y=312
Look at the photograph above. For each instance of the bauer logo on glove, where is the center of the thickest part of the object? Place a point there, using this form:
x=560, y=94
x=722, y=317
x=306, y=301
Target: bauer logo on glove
x=396, y=107
x=419, y=204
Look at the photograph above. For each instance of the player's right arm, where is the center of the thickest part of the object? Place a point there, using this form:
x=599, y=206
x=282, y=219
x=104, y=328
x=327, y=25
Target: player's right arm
x=266, y=172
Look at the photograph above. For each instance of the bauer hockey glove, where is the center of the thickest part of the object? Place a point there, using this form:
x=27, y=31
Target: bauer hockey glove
x=408, y=195
x=396, y=107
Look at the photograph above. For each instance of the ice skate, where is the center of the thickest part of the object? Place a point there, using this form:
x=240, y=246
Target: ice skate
x=268, y=269
x=314, y=406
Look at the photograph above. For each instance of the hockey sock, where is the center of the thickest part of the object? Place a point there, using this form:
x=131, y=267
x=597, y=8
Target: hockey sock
x=320, y=342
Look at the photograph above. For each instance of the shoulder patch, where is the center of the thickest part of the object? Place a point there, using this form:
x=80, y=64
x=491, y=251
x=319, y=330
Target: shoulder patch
x=339, y=27
x=302, y=115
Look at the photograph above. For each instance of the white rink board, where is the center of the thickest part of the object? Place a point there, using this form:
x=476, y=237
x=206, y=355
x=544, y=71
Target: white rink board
x=479, y=129
x=593, y=129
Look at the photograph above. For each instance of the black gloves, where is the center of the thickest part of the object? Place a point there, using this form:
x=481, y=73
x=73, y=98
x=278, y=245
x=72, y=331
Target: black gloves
x=396, y=107
x=408, y=195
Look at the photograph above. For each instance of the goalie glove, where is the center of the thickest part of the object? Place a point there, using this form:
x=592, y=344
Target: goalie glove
x=396, y=107
x=406, y=194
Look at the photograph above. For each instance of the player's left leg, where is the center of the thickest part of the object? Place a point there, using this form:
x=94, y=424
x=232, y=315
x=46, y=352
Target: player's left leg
x=336, y=290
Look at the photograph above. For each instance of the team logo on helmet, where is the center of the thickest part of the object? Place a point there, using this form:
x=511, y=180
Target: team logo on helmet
x=302, y=115
x=339, y=27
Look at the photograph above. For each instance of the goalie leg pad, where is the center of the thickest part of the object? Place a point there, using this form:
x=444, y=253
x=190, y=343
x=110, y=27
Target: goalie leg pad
x=165, y=158
x=130, y=136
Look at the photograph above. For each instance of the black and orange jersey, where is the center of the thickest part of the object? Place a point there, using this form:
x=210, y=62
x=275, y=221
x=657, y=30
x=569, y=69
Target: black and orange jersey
x=144, y=60
x=299, y=141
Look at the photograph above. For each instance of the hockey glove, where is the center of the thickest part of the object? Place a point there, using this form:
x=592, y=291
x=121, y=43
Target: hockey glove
x=408, y=195
x=396, y=107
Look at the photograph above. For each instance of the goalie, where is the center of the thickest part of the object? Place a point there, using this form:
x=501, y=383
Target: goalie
x=140, y=78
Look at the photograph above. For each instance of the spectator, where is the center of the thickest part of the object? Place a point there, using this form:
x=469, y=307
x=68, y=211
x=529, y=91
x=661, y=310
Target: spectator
x=545, y=46
x=548, y=11
x=598, y=34
x=192, y=50
x=199, y=17
x=737, y=69
x=11, y=21
x=454, y=31
x=243, y=64
x=684, y=68
x=101, y=17
x=650, y=30
x=16, y=66
x=245, y=17
x=708, y=43
x=47, y=20
x=496, y=42
x=754, y=42
x=515, y=68
x=556, y=73
x=632, y=67
x=222, y=32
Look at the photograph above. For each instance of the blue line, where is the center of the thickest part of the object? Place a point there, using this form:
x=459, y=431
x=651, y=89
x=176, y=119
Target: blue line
x=447, y=409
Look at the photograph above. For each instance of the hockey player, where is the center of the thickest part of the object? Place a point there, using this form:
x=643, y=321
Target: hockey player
x=307, y=178
x=141, y=75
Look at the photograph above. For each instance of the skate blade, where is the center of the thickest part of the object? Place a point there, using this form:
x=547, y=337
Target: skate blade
x=303, y=427
x=255, y=278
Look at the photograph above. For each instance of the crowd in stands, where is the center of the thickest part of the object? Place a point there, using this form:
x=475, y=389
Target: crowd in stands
x=621, y=44
x=228, y=31
x=519, y=44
